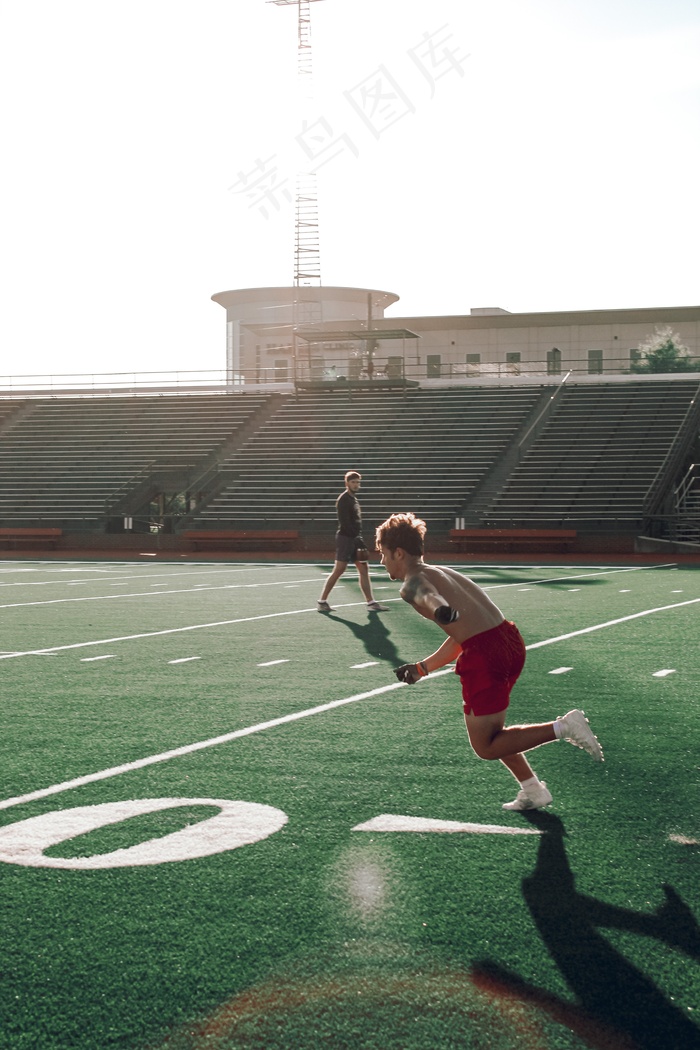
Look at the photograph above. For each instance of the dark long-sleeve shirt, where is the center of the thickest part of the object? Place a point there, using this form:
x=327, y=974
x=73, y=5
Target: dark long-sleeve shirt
x=349, y=514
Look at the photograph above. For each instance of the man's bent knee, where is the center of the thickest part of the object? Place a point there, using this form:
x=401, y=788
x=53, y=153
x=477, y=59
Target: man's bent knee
x=483, y=750
x=483, y=731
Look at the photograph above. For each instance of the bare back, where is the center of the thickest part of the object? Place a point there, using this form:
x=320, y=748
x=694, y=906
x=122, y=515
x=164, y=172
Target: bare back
x=476, y=611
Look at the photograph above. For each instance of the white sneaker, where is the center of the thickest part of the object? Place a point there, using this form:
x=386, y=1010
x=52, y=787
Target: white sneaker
x=535, y=798
x=323, y=606
x=376, y=607
x=575, y=728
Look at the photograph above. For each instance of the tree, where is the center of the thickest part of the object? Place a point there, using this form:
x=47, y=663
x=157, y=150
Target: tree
x=664, y=352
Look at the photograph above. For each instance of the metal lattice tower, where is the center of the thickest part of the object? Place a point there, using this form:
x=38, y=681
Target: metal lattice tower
x=307, y=250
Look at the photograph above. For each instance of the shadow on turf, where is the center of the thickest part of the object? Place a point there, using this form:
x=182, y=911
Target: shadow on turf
x=374, y=636
x=619, y=1006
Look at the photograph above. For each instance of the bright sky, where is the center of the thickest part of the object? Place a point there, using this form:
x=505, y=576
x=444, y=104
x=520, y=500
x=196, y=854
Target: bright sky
x=527, y=154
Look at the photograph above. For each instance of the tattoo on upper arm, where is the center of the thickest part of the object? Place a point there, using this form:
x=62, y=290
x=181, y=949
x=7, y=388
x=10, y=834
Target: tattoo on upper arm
x=410, y=590
x=418, y=593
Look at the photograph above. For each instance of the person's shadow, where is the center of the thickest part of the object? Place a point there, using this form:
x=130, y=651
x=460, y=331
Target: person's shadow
x=619, y=1006
x=374, y=636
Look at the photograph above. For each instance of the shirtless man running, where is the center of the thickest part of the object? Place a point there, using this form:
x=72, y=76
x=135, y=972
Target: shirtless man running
x=490, y=655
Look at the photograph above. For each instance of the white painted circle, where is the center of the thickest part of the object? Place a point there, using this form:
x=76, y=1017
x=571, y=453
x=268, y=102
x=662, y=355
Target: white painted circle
x=236, y=824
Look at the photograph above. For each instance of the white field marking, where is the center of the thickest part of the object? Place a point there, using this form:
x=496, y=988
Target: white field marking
x=176, y=630
x=664, y=673
x=184, y=659
x=188, y=749
x=394, y=822
x=236, y=824
x=43, y=583
x=152, y=594
x=684, y=840
x=131, y=575
x=561, y=670
x=91, y=659
x=358, y=667
x=236, y=734
x=626, y=591
x=578, y=576
x=298, y=612
x=522, y=590
x=676, y=592
x=573, y=590
x=276, y=583
x=610, y=623
x=246, y=566
x=271, y=663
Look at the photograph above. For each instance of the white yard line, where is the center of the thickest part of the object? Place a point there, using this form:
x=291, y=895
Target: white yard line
x=189, y=749
x=155, y=594
x=580, y=576
x=279, y=583
x=174, y=630
x=201, y=745
x=140, y=576
x=612, y=623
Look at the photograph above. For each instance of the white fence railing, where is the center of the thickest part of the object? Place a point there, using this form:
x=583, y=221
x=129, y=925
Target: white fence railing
x=224, y=381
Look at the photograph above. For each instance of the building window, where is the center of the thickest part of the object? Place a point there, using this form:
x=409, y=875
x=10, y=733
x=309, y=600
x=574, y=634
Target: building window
x=554, y=361
x=595, y=362
x=513, y=363
x=473, y=364
x=433, y=366
x=394, y=367
x=354, y=367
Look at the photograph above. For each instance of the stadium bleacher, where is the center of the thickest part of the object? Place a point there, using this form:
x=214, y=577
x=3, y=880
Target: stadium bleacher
x=276, y=461
x=422, y=450
x=596, y=457
x=68, y=460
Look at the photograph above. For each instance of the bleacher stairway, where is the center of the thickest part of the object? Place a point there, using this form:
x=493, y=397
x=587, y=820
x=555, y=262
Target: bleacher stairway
x=596, y=457
x=75, y=461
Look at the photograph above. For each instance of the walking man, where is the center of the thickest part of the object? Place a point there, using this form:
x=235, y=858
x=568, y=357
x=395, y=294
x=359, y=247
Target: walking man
x=349, y=545
x=490, y=655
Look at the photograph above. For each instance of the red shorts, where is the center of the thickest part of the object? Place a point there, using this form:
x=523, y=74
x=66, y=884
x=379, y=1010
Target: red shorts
x=489, y=666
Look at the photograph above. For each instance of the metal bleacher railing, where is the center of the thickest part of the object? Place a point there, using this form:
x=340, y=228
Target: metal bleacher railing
x=211, y=465
x=226, y=381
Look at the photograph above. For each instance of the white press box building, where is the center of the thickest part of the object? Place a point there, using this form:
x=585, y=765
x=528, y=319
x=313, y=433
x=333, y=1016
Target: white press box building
x=283, y=334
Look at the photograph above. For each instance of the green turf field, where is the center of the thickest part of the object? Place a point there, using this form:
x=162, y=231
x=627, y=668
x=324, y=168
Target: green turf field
x=193, y=761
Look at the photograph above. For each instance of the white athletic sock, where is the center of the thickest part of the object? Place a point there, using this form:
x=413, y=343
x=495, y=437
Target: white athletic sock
x=531, y=782
x=556, y=726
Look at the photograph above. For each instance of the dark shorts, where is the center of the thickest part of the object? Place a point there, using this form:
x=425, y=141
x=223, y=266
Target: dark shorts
x=489, y=666
x=346, y=547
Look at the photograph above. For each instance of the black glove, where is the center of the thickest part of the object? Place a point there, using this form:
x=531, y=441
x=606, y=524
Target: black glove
x=446, y=614
x=409, y=673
